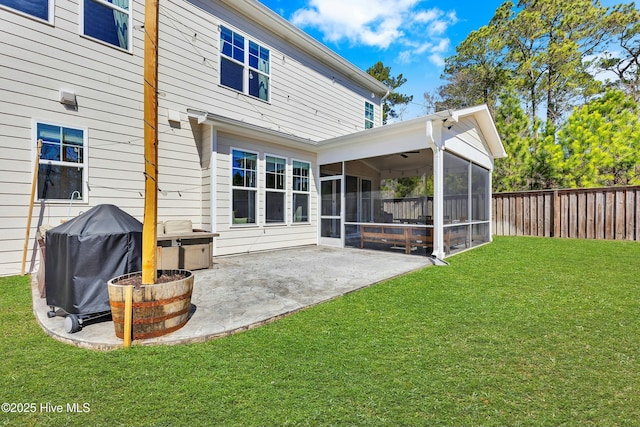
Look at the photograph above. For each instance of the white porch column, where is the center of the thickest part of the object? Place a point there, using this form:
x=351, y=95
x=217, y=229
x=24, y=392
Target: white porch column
x=434, y=139
x=438, y=202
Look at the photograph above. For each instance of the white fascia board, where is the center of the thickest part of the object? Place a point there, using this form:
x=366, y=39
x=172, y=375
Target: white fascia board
x=380, y=141
x=275, y=23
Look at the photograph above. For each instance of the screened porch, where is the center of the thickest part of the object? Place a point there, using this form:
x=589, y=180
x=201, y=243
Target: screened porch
x=418, y=199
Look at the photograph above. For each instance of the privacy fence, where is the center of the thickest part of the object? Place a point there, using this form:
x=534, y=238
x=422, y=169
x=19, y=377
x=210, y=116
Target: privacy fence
x=586, y=213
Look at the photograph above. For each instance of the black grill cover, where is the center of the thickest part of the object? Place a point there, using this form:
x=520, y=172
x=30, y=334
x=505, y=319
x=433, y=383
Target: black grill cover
x=87, y=251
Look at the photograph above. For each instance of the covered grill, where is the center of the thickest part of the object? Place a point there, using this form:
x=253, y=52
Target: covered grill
x=83, y=254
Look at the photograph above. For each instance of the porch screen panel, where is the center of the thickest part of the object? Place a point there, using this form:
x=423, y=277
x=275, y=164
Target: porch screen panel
x=480, y=204
x=456, y=189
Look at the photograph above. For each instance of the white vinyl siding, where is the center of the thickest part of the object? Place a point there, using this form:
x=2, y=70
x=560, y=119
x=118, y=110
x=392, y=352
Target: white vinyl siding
x=306, y=98
x=39, y=61
x=262, y=236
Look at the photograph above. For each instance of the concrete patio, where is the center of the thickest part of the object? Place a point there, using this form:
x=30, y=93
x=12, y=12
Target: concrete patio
x=245, y=291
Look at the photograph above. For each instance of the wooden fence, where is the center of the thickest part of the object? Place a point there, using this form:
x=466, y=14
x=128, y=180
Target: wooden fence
x=588, y=213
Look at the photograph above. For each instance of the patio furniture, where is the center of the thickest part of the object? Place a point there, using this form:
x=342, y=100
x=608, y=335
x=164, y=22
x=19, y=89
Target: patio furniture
x=182, y=247
x=406, y=236
x=454, y=236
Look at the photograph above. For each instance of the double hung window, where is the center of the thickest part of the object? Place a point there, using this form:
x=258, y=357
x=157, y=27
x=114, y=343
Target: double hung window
x=41, y=9
x=244, y=64
x=301, y=191
x=244, y=186
x=62, y=163
x=368, y=115
x=108, y=21
x=275, y=194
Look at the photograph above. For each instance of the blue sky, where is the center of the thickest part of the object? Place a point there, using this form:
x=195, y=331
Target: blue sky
x=411, y=36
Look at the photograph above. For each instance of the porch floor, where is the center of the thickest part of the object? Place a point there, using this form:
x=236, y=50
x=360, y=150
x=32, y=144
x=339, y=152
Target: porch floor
x=245, y=291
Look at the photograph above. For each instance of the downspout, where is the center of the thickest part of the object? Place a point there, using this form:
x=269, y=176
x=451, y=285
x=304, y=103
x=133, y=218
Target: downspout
x=213, y=183
x=437, y=146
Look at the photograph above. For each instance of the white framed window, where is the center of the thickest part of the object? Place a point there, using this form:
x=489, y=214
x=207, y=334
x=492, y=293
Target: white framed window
x=275, y=189
x=108, y=21
x=301, y=190
x=245, y=65
x=368, y=115
x=244, y=186
x=62, y=167
x=40, y=9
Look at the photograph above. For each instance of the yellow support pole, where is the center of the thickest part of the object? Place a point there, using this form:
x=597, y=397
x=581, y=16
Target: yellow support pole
x=34, y=184
x=128, y=315
x=149, y=229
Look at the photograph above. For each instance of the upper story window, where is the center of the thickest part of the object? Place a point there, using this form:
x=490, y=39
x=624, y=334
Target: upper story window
x=244, y=64
x=108, y=21
x=41, y=9
x=368, y=115
x=63, y=160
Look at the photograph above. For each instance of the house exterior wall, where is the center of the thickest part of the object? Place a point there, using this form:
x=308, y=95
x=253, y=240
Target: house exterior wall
x=239, y=238
x=308, y=99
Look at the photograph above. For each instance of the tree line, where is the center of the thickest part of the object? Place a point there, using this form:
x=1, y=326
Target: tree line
x=562, y=81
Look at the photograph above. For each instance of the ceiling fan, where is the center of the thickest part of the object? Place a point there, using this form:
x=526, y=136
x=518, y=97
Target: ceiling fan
x=406, y=153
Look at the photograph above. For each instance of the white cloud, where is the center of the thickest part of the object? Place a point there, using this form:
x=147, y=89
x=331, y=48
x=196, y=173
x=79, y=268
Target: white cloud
x=400, y=24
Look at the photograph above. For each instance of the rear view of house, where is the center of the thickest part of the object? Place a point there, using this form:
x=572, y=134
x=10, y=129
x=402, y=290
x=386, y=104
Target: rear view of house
x=265, y=135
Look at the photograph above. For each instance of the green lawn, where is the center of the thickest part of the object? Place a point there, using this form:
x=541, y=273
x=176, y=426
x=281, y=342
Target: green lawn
x=524, y=331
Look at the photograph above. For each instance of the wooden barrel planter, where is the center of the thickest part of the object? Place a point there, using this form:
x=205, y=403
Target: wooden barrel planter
x=158, y=309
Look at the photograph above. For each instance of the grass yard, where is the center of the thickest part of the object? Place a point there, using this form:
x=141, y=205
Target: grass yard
x=525, y=331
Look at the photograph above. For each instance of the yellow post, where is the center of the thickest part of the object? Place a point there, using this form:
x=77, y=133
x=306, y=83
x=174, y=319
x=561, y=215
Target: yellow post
x=149, y=229
x=34, y=184
x=128, y=315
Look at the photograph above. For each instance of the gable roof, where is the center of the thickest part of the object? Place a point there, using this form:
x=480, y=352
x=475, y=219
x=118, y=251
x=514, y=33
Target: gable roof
x=414, y=135
x=275, y=23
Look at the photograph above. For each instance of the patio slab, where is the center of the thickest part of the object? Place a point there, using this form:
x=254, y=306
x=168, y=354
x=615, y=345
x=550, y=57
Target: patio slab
x=245, y=291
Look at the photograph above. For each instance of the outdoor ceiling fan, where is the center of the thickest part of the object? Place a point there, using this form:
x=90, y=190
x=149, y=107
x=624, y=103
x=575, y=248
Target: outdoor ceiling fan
x=406, y=153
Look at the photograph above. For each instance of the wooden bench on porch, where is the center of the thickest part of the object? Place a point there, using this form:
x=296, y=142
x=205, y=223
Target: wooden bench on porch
x=454, y=236
x=404, y=235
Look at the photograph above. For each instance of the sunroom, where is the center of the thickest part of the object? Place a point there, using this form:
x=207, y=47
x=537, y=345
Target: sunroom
x=422, y=186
